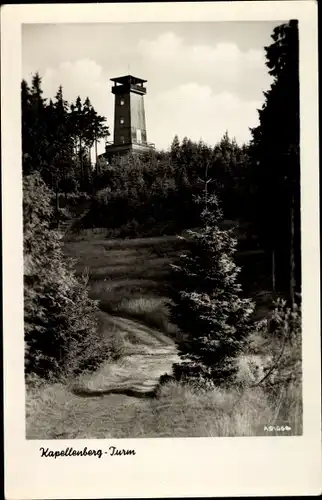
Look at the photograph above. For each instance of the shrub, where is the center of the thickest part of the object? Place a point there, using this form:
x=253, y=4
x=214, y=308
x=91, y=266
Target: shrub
x=60, y=319
x=283, y=336
x=63, y=214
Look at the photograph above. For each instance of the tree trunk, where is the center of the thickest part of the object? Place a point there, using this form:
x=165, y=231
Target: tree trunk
x=96, y=165
x=81, y=158
x=65, y=183
x=273, y=273
x=292, y=253
x=57, y=204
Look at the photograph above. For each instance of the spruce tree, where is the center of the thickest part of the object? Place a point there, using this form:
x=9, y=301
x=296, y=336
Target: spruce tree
x=26, y=128
x=175, y=150
x=275, y=156
x=213, y=317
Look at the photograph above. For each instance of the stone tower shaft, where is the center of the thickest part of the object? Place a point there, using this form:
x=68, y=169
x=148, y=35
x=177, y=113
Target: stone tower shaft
x=130, y=134
x=129, y=114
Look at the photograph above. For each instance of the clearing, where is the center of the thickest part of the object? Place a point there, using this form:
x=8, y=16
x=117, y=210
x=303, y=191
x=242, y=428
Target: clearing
x=127, y=277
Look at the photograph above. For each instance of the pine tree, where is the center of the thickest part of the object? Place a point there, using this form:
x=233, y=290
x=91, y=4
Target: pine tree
x=64, y=161
x=275, y=154
x=78, y=121
x=61, y=171
x=89, y=116
x=175, y=150
x=34, y=126
x=26, y=130
x=95, y=128
x=207, y=304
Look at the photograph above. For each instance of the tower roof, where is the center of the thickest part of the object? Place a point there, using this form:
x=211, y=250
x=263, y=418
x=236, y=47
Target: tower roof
x=128, y=79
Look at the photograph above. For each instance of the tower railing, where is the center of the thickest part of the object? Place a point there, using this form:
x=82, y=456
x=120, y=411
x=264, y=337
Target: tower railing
x=136, y=143
x=138, y=87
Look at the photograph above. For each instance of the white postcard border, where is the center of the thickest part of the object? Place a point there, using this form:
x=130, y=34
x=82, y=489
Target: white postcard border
x=196, y=467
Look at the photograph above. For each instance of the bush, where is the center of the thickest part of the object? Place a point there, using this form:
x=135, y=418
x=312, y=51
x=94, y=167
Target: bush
x=61, y=336
x=283, y=336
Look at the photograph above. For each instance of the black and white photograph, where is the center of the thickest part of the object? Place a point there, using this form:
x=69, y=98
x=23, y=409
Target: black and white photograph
x=164, y=160
x=162, y=232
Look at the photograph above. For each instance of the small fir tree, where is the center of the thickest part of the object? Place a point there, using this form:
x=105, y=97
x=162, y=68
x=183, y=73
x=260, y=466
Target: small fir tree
x=175, y=150
x=207, y=305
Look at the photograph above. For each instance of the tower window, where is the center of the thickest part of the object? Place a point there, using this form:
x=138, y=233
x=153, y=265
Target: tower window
x=122, y=120
x=138, y=135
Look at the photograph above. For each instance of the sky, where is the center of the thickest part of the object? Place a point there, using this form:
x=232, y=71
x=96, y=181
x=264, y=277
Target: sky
x=202, y=78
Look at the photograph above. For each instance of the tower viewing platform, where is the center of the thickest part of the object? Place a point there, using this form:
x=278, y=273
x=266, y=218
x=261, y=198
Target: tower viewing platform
x=128, y=83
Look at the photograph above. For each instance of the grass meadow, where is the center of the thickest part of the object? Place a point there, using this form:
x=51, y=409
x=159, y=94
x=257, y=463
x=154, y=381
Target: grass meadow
x=129, y=279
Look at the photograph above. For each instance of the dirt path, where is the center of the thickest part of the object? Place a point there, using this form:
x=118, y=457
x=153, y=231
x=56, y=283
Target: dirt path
x=112, y=402
x=149, y=355
x=116, y=399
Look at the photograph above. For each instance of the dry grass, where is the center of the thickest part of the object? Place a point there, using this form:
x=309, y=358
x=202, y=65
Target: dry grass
x=219, y=412
x=128, y=276
x=178, y=411
x=152, y=311
x=86, y=234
